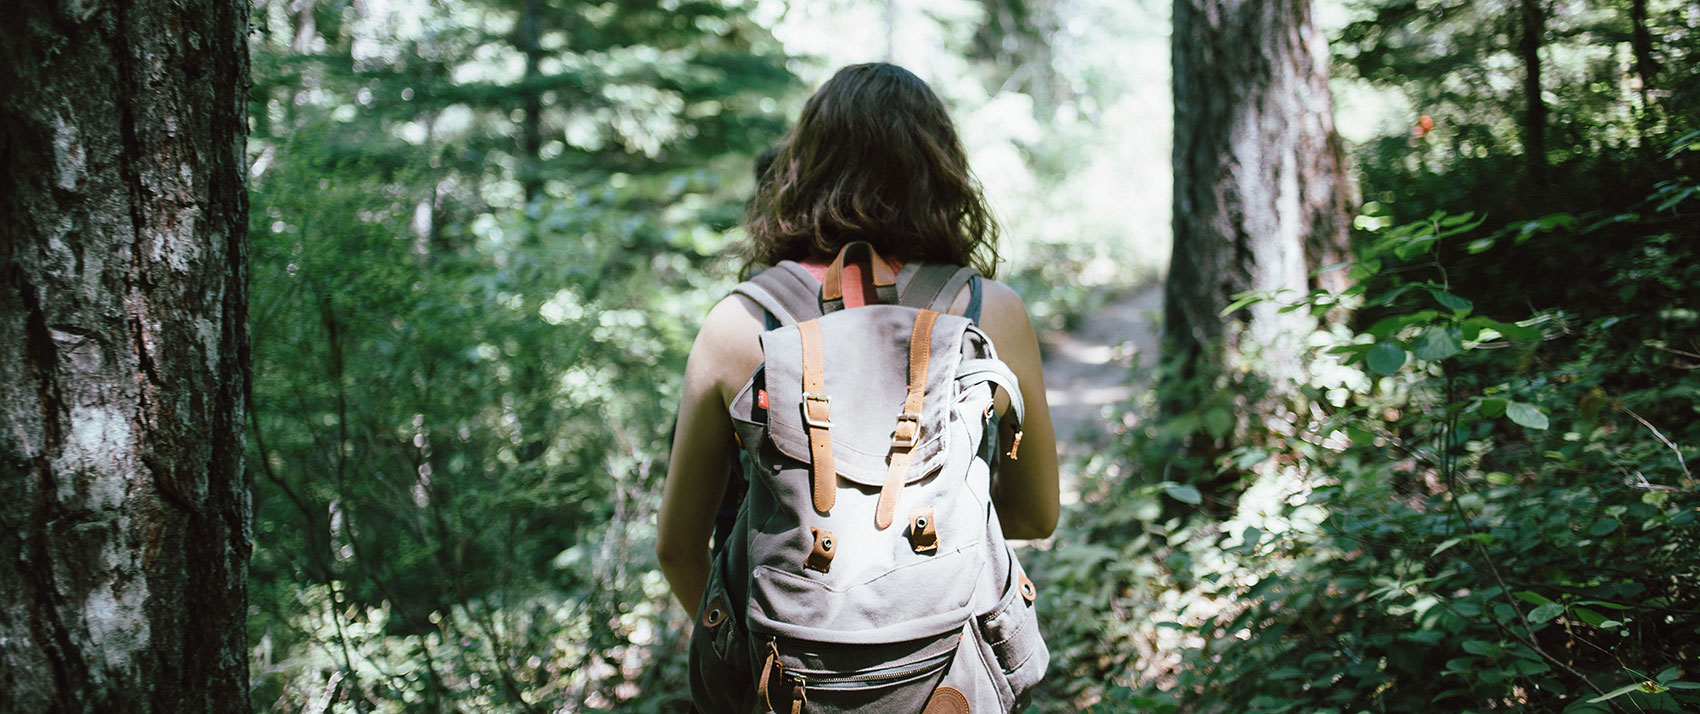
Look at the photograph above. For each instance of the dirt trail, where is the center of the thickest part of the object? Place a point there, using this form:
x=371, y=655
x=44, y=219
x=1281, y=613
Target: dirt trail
x=1097, y=365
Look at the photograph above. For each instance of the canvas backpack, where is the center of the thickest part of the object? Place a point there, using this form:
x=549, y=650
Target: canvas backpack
x=866, y=569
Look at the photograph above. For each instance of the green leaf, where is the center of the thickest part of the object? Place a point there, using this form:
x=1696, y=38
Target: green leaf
x=1387, y=326
x=1184, y=493
x=1615, y=693
x=1667, y=674
x=1602, y=527
x=1478, y=647
x=1241, y=301
x=1494, y=408
x=1452, y=302
x=1683, y=685
x=1218, y=421
x=1515, y=331
x=1594, y=619
x=1252, y=457
x=1545, y=612
x=1526, y=668
x=1608, y=605
x=1385, y=358
x=1527, y=415
x=1533, y=598
x=1436, y=343
x=1456, y=219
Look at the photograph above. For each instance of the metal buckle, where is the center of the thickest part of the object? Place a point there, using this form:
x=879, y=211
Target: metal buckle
x=898, y=442
x=825, y=402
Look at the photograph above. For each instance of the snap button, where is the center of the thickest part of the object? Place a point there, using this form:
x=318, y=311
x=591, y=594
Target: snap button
x=923, y=530
x=820, y=554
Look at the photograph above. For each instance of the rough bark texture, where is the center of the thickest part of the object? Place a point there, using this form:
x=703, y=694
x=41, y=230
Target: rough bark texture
x=124, y=515
x=1260, y=192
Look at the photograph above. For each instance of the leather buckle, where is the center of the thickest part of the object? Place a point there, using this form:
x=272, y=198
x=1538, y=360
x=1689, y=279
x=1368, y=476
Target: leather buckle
x=901, y=441
x=824, y=421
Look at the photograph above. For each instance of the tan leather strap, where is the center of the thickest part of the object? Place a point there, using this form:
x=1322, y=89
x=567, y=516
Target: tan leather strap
x=817, y=416
x=908, y=431
x=763, y=693
x=832, y=285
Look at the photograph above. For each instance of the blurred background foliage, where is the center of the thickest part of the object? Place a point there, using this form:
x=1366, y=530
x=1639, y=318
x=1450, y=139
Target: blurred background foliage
x=484, y=233
x=1484, y=496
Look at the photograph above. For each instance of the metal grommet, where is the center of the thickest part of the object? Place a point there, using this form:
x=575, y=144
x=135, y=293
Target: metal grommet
x=921, y=522
x=826, y=543
x=990, y=408
x=714, y=617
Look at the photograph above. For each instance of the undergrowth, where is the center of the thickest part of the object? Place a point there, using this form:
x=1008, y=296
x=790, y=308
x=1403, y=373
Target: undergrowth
x=1483, y=504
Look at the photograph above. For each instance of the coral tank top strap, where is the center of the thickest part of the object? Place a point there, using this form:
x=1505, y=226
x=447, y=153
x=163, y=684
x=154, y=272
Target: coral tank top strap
x=854, y=274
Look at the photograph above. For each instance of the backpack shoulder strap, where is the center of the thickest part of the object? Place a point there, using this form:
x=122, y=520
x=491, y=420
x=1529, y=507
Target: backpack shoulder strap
x=786, y=291
x=934, y=287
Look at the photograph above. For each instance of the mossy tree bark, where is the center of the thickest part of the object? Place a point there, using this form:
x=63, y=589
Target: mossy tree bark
x=124, y=509
x=1260, y=200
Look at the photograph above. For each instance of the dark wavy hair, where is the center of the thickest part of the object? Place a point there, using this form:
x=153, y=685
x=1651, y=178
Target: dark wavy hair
x=874, y=157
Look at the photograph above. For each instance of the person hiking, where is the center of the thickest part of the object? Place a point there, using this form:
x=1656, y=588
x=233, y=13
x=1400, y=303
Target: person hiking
x=867, y=203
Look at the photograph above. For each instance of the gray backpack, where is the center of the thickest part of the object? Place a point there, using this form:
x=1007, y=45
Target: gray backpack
x=866, y=569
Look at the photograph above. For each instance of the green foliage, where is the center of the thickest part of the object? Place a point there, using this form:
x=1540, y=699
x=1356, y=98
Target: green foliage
x=467, y=350
x=1482, y=510
x=483, y=236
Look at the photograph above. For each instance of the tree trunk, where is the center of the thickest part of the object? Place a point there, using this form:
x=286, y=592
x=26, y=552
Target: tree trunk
x=124, y=514
x=531, y=126
x=1260, y=195
x=1642, y=40
x=1535, y=110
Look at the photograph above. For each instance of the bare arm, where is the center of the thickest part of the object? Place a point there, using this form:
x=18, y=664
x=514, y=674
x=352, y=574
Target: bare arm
x=723, y=356
x=1026, y=493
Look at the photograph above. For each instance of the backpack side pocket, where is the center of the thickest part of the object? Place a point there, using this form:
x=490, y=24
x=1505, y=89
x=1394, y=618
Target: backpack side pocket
x=1010, y=635
x=720, y=655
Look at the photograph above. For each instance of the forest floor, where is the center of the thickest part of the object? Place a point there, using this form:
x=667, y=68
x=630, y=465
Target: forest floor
x=1103, y=362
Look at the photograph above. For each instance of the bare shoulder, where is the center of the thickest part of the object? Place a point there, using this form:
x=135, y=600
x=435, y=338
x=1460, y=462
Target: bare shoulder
x=727, y=349
x=1003, y=315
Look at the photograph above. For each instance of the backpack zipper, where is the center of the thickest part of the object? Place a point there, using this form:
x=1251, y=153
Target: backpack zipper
x=870, y=678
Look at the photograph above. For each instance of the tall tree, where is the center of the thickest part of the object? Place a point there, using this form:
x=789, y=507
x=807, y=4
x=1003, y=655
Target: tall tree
x=1259, y=198
x=1529, y=43
x=124, y=516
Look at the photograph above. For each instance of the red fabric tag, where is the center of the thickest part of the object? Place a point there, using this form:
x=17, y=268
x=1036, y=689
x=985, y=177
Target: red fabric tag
x=761, y=398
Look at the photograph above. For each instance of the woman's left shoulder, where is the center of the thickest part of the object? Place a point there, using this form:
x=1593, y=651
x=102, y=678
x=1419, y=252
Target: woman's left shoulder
x=1003, y=315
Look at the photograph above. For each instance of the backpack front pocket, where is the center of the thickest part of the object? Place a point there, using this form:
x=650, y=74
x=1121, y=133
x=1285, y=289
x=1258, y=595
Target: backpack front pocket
x=834, y=678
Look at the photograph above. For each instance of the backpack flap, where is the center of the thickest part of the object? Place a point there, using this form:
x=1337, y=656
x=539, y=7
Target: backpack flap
x=865, y=373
